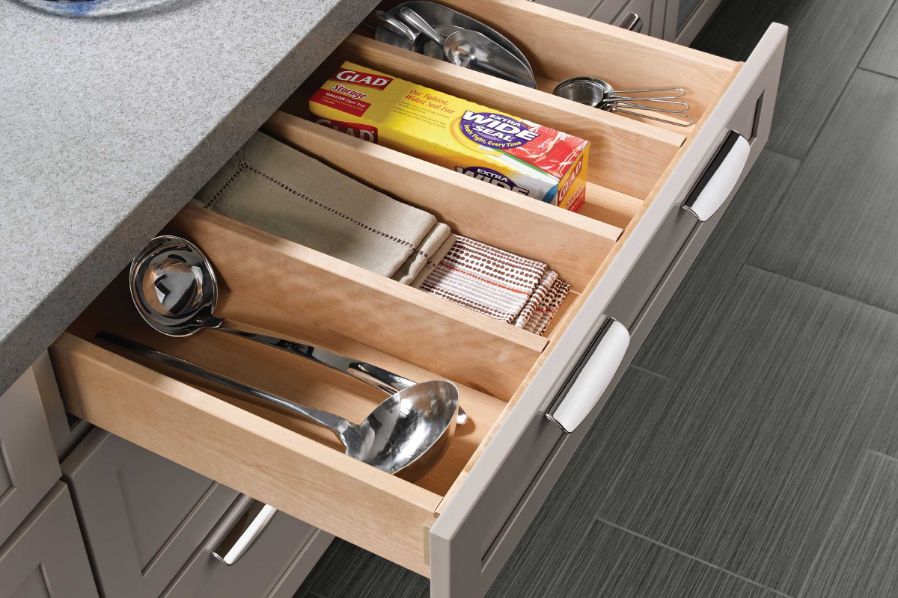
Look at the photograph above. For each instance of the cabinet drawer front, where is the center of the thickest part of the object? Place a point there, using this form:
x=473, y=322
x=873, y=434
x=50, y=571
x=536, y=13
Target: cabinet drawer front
x=641, y=16
x=45, y=556
x=143, y=515
x=28, y=464
x=480, y=525
x=258, y=571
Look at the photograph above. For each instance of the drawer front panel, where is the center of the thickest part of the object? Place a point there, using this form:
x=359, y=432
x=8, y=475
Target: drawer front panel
x=46, y=556
x=578, y=7
x=28, y=464
x=143, y=515
x=642, y=16
x=463, y=561
x=258, y=572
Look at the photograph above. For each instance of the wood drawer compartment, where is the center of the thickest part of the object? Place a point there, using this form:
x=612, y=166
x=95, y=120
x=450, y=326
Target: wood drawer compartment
x=455, y=524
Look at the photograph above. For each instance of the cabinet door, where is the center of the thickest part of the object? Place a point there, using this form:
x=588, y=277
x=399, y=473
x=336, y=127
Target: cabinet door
x=642, y=16
x=264, y=569
x=28, y=464
x=143, y=516
x=45, y=557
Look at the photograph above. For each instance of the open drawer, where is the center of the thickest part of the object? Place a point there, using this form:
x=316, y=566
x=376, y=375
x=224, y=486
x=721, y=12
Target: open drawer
x=530, y=398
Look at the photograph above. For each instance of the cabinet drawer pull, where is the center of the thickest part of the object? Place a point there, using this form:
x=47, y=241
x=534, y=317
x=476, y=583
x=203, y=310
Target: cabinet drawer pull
x=608, y=351
x=719, y=178
x=632, y=22
x=252, y=517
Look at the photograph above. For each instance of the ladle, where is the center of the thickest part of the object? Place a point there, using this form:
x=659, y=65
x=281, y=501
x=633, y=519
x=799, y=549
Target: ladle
x=174, y=287
x=406, y=426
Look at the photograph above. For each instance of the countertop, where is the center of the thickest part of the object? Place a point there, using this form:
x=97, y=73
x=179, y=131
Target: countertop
x=109, y=125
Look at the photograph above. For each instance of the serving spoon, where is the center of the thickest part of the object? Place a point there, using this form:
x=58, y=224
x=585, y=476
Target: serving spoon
x=471, y=49
x=407, y=426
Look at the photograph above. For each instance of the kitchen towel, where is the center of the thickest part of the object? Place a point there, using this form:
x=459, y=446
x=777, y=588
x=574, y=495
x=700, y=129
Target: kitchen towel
x=283, y=191
x=498, y=283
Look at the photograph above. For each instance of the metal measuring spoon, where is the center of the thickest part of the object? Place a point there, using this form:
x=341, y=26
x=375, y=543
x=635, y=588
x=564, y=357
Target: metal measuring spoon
x=405, y=427
x=474, y=50
x=598, y=93
x=174, y=288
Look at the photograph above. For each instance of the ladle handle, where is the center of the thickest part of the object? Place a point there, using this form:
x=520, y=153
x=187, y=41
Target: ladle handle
x=370, y=374
x=420, y=24
x=336, y=424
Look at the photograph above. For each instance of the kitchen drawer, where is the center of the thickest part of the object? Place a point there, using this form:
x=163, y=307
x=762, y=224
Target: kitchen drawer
x=653, y=192
x=46, y=557
x=258, y=571
x=28, y=464
x=143, y=515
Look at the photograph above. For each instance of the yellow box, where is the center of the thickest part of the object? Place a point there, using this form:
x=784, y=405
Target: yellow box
x=483, y=143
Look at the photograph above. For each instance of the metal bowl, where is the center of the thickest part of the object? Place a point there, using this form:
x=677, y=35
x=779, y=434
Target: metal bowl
x=438, y=15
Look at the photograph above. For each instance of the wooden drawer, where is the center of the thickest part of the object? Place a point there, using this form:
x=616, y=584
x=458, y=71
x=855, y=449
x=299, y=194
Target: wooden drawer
x=529, y=398
x=261, y=571
x=46, y=557
x=143, y=516
x=28, y=464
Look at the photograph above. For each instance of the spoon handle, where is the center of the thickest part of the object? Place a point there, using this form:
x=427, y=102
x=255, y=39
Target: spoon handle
x=370, y=374
x=420, y=24
x=334, y=423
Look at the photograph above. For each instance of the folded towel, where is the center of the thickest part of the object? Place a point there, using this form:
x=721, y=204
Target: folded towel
x=498, y=283
x=276, y=188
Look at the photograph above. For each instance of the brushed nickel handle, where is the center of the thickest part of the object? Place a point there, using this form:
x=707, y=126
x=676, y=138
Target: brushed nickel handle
x=632, y=22
x=719, y=179
x=591, y=377
x=240, y=528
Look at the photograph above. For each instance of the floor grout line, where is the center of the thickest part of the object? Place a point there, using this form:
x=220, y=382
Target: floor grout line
x=819, y=288
x=651, y=373
x=875, y=72
x=691, y=557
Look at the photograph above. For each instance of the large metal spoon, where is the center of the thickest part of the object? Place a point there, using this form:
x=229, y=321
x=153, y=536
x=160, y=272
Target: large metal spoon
x=401, y=431
x=174, y=288
x=474, y=50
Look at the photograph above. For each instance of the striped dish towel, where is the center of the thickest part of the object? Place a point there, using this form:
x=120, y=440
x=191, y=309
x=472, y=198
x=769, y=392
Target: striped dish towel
x=498, y=283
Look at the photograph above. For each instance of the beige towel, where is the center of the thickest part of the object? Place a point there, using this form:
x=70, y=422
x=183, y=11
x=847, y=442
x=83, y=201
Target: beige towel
x=283, y=191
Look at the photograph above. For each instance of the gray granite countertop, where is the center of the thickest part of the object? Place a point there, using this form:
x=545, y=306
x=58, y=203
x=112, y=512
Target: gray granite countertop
x=109, y=125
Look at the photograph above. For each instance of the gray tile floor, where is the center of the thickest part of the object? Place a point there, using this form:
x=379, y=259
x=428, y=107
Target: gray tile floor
x=753, y=448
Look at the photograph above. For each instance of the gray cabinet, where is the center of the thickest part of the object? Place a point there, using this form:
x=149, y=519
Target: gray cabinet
x=685, y=18
x=272, y=567
x=28, y=464
x=642, y=16
x=45, y=557
x=143, y=516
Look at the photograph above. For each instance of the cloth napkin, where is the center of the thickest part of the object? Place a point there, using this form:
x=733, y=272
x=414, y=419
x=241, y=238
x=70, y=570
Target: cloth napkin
x=276, y=188
x=498, y=283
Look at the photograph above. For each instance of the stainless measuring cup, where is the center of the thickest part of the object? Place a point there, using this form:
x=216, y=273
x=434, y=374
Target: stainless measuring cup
x=598, y=93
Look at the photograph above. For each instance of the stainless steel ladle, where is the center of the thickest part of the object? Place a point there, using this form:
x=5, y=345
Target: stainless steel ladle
x=174, y=287
x=411, y=426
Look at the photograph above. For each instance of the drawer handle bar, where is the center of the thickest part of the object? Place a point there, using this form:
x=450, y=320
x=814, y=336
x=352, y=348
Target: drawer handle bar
x=252, y=518
x=590, y=385
x=632, y=22
x=719, y=178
